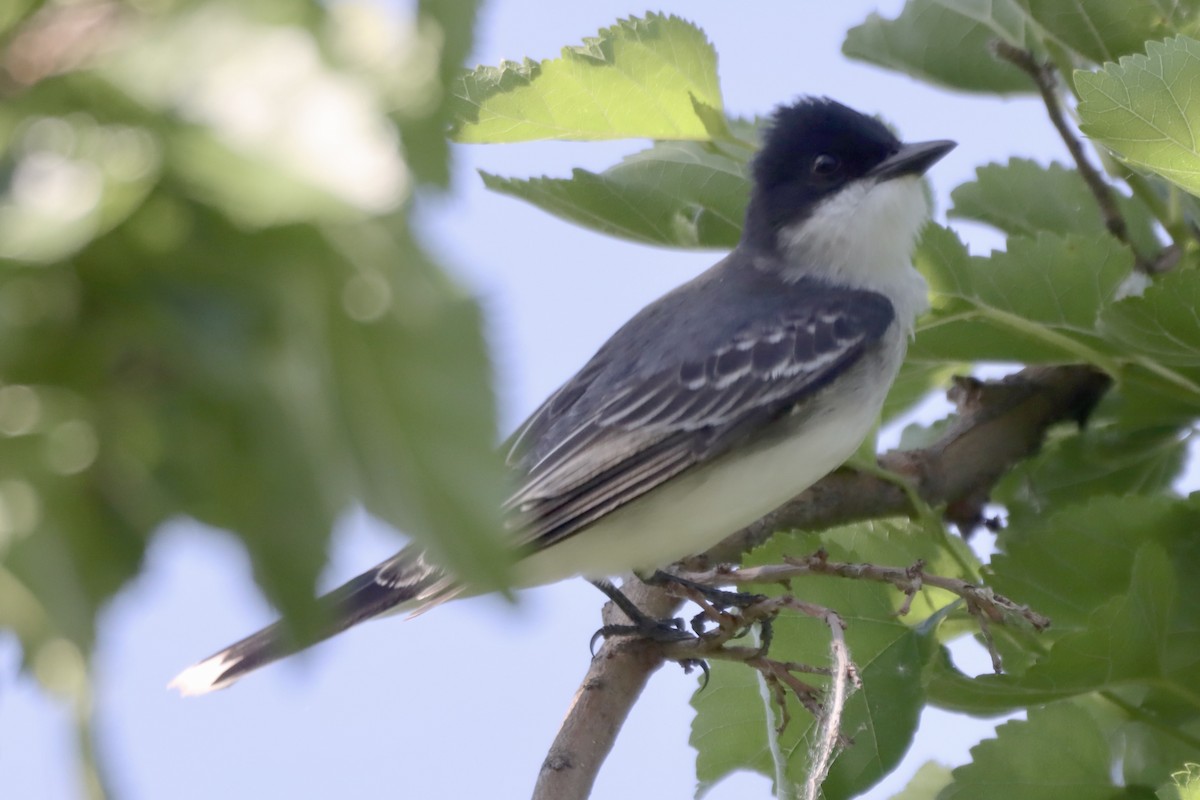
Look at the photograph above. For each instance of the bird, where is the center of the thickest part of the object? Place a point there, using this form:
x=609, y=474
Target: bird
x=714, y=404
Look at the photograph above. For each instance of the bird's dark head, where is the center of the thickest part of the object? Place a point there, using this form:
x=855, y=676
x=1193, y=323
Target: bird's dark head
x=816, y=150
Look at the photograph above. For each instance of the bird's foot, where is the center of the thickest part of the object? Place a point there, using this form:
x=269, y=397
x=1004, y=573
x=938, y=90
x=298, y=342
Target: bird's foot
x=719, y=606
x=642, y=625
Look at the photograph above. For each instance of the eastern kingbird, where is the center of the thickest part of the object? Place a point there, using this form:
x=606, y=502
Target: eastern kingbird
x=717, y=402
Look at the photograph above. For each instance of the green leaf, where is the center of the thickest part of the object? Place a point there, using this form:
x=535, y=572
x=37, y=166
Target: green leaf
x=930, y=779
x=1153, y=751
x=1125, y=640
x=1148, y=745
x=1152, y=395
x=1103, y=30
x=1093, y=462
x=730, y=731
x=982, y=695
x=637, y=79
x=1094, y=570
x=1022, y=198
x=1145, y=109
x=1028, y=759
x=1116, y=577
x=1163, y=323
x=1184, y=785
x=1157, y=332
x=1068, y=564
x=946, y=42
x=1036, y=301
x=678, y=194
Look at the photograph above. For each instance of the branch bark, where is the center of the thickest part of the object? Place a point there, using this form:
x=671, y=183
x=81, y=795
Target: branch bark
x=999, y=423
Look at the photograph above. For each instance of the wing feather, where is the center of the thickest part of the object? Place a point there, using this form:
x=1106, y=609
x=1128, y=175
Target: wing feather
x=594, y=458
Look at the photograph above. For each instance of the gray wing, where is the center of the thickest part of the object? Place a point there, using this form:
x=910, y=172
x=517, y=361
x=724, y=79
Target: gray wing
x=590, y=450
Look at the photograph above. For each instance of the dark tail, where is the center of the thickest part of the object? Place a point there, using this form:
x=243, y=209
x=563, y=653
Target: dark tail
x=404, y=579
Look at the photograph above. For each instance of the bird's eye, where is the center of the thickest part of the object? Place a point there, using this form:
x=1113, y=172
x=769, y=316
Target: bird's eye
x=825, y=165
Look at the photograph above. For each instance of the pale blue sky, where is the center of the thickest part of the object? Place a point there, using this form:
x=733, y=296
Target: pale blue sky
x=464, y=702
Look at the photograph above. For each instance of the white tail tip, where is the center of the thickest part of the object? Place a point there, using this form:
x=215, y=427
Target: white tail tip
x=204, y=677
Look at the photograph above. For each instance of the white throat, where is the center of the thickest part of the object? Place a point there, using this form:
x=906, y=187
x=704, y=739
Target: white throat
x=863, y=236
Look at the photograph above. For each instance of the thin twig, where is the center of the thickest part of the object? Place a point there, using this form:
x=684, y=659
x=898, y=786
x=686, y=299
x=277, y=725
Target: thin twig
x=780, y=676
x=1043, y=77
x=981, y=602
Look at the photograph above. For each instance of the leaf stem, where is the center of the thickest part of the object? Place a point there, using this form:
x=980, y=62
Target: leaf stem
x=1167, y=374
x=1076, y=348
x=1034, y=330
x=1052, y=337
x=1167, y=214
x=1141, y=715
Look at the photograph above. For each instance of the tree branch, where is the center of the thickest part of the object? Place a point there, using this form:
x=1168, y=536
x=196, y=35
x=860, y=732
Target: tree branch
x=614, y=681
x=999, y=423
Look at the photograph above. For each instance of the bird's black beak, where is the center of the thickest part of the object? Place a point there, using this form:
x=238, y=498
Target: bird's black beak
x=912, y=159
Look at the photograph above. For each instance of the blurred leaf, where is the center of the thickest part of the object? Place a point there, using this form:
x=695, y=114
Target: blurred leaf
x=946, y=42
x=1093, y=462
x=67, y=179
x=637, y=79
x=1022, y=198
x=1162, y=323
x=732, y=723
x=409, y=356
x=250, y=190
x=1036, y=301
x=424, y=133
x=1144, y=109
x=930, y=779
x=65, y=551
x=917, y=436
x=1028, y=759
x=1103, y=30
x=14, y=13
x=260, y=158
x=261, y=383
x=680, y=194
